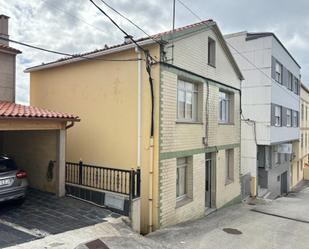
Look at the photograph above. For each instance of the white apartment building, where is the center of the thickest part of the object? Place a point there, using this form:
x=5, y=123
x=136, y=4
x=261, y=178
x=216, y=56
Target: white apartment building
x=270, y=112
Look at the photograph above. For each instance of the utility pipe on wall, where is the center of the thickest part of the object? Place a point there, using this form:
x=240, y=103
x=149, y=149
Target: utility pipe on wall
x=139, y=105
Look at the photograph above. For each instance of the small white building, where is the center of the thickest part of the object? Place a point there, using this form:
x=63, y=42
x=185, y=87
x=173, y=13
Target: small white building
x=270, y=112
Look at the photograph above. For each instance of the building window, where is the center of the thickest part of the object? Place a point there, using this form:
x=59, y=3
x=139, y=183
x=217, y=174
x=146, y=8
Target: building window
x=277, y=158
x=289, y=117
x=187, y=101
x=295, y=119
x=290, y=81
x=302, y=112
x=306, y=113
x=298, y=170
x=229, y=164
x=225, y=107
x=295, y=85
x=211, y=52
x=278, y=72
x=278, y=115
x=181, y=179
x=302, y=140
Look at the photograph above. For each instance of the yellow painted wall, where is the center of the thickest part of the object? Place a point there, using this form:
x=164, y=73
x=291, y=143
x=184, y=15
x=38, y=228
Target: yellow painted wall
x=104, y=95
x=302, y=150
x=32, y=151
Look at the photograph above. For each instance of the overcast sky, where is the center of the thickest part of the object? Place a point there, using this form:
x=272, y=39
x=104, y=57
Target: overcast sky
x=75, y=26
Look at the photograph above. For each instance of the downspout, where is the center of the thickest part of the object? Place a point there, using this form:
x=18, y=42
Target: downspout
x=139, y=105
x=139, y=136
x=70, y=125
x=151, y=156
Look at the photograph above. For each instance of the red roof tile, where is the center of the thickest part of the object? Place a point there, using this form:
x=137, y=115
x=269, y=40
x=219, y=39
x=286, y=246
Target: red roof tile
x=13, y=110
x=10, y=49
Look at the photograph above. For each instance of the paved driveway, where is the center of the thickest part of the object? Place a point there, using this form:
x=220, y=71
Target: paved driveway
x=43, y=214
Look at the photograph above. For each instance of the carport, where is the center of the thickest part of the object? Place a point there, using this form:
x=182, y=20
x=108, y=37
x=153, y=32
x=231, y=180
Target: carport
x=36, y=138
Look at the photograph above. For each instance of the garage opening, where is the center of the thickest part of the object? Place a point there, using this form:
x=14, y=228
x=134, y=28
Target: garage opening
x=37, y=152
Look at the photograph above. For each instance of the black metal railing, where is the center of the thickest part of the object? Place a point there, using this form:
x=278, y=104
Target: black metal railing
x=120, y=181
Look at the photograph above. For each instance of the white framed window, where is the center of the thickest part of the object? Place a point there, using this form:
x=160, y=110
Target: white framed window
x=295, y=119
x=302, y=140
x=211, y=52
x=278, y=115
x=277, y=158
x=290, y=81
x=278, y=72
x=295, y=85
x=181, y=178
x=187, y=97
x=225, y=107
x=288, y=117
x=302, y=111
x=229, y=166
x=306, y=113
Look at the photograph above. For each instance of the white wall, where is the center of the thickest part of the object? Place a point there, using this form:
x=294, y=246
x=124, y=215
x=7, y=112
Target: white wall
x=282, y=96
x=256, y=88
x=259, y=91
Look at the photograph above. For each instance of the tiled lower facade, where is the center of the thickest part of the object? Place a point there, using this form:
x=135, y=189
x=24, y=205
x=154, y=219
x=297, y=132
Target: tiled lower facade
x=185, y=142
x=223, y=192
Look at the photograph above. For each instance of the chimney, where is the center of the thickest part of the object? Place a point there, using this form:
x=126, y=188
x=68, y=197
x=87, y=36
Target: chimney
x=4, y=29
x=127, y=38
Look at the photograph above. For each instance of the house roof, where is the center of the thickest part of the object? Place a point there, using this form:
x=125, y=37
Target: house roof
x=110, y=49
x=9, y=49
x=159, y=37
x=257, y=35
x=305, y=87
x=9, y=110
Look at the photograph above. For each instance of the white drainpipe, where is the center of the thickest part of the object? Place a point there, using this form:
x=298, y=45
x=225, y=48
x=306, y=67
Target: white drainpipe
x=139, y=105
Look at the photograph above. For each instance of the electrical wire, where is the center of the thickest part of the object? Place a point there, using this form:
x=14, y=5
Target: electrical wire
x=73, y=16
x=149, y=62
x=130, y=21
x=238, y=52
x=62, y=53
x=191, y=11
x=121, y=29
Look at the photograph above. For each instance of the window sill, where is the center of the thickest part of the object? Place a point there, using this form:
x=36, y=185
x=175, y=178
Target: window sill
x=228, y=182
x=183, y=201
x=188, y=122
x=228, y=123
x=211, y=65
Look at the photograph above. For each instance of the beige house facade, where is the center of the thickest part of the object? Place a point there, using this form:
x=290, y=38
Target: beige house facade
x=302, y=153
x=191, y=161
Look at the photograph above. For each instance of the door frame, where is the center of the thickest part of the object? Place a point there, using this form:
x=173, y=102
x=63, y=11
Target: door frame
x=284, y=179
x=212, y=158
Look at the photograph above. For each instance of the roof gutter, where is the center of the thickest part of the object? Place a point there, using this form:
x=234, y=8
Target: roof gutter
x=40, y=119
x=90, y=56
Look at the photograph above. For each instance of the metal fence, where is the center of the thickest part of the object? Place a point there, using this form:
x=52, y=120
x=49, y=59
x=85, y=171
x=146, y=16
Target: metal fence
x=119, y=181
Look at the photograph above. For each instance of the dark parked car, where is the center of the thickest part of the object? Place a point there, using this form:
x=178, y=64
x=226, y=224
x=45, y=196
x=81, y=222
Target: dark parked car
x=13, y=181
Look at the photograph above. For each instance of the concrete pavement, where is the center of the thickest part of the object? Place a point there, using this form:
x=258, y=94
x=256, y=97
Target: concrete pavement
x=282, y=223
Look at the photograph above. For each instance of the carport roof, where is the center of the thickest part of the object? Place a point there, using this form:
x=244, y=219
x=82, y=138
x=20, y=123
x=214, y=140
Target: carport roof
x=12, y=110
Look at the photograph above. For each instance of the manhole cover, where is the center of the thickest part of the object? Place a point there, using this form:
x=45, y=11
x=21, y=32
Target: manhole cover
x=96, y=244
x=232, y=231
